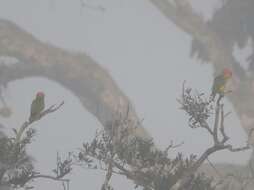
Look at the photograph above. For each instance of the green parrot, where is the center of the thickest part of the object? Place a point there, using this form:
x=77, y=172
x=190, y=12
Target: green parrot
x=220, y=82
x=37, y=106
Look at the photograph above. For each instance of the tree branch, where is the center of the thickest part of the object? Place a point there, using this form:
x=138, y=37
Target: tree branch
x=198, y=110
x=219, y=54
x=77, y=72
x=181, y=14
x=26, y=124
x=47, y=177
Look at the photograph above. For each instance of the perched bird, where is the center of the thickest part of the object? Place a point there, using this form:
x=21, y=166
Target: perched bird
x=220, y=82
x=37, y=106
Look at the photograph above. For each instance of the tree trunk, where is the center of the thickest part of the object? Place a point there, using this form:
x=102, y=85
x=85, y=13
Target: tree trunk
x=92, y=84
x=77, y=72
x=219, y=54
x=182, y=15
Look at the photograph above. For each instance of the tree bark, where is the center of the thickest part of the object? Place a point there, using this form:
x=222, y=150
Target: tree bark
x=93, y=85
x=77, y=72
x=219, y=54
x=182, y=15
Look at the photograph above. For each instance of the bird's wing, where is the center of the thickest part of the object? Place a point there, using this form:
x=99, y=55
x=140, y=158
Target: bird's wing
x=217, y=84
x=33, y=108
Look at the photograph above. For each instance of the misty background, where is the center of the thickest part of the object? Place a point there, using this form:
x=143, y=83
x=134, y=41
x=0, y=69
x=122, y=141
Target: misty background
x=147, y=56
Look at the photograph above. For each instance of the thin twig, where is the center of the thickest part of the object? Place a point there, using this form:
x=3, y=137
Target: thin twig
x=225, y=137
x=26, y=124
x=215, y=169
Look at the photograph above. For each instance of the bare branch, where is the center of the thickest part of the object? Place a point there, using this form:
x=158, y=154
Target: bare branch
x=51, y=109
x=19, y=170
x=89, y=6
x=47, y=177
x=26, y=124
x=225, y=137
x=199, y=111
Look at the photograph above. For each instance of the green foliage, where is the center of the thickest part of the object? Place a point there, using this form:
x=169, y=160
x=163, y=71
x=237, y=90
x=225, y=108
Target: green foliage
x=16, y=164
x=140, y=162
x=202, y=182
x=16, y=168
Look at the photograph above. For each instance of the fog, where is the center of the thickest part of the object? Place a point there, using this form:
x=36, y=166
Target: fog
x=146, y=55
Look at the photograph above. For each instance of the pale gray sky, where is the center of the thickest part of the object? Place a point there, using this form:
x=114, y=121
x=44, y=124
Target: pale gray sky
x=146, y=55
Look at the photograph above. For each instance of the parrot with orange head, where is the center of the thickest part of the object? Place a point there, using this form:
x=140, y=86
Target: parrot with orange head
x=219, y=83
x=37, y=106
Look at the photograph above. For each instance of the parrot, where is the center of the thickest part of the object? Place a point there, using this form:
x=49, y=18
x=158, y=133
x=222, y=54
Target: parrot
x=37, y=106
x=220, y=82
